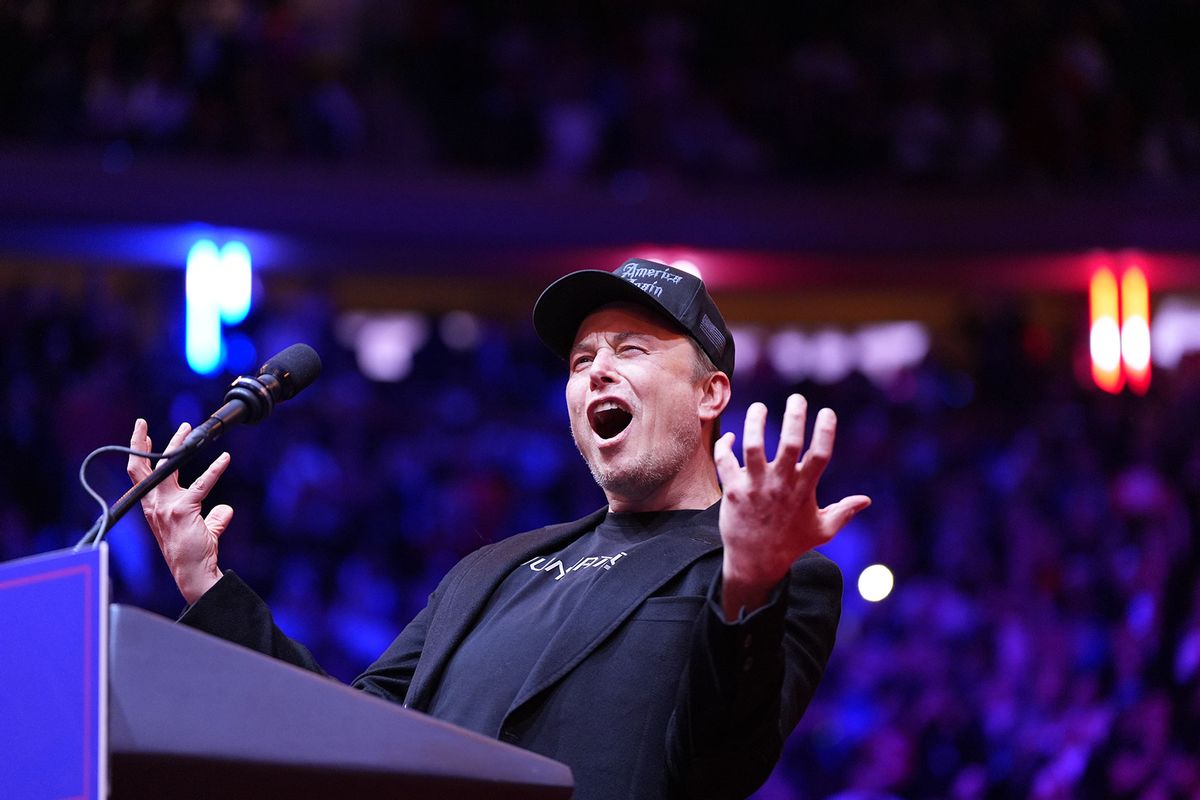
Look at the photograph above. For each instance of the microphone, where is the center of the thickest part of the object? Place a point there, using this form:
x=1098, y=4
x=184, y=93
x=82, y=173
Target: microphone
x=248, y=400
x=251, y=400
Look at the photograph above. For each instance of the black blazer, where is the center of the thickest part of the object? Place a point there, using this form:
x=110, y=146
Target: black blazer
x=645, y=693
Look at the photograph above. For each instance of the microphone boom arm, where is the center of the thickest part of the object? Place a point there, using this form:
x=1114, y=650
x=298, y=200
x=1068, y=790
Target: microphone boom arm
x=249, y=400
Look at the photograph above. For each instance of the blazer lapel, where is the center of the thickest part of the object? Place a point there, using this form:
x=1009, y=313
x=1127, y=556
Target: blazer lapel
x=468, y=593
x=622, y=591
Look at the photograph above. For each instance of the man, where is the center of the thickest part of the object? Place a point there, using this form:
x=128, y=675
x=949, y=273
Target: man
x=664, y=646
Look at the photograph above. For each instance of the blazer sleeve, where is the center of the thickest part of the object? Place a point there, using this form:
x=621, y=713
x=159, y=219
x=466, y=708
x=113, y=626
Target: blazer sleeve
x=390, y=676
x=234, y=612
x=747, y=683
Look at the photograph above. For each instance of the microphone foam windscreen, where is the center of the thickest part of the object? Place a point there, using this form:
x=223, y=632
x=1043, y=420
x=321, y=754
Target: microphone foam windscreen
x=295, y=367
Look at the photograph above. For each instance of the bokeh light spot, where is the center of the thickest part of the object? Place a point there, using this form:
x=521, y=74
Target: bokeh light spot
x=875, y=583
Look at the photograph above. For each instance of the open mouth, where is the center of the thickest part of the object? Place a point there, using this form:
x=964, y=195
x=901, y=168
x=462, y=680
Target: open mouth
x=609, y=419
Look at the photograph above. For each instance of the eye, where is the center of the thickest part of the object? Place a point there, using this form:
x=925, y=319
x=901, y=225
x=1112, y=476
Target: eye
x=580, y=360
x=632, y=349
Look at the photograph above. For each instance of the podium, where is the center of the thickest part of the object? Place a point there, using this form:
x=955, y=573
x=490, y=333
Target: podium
x=100, y=700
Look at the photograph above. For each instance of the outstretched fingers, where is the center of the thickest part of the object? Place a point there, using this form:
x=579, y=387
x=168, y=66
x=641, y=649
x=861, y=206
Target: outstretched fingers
x=791, y=434
x=208, y=479
x=753, y=449
x=820, y=451
x=138, y=467
x=180, y=434
x=726, y=461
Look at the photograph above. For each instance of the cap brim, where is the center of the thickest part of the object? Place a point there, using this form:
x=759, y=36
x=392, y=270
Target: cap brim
x=565, y=304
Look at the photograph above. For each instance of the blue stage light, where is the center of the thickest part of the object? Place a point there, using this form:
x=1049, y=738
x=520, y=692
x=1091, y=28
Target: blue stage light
x=218, y=291
x=235, y=283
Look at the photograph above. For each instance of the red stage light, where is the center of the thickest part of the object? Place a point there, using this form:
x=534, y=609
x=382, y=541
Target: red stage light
x=1120, y=332
x=1135, y=328
x=1105, y=337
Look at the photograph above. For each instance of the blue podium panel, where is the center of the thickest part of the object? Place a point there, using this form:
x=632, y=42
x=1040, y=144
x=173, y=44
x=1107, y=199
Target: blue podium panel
x=53, y=689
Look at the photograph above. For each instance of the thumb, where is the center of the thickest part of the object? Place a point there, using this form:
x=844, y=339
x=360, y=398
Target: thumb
x=218, y=519
x=838, y=515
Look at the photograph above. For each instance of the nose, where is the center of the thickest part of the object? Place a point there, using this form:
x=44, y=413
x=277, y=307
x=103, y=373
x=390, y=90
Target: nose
x=603, y=368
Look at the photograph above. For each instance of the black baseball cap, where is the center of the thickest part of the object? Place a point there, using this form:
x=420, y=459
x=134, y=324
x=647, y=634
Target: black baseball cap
x=679, y=296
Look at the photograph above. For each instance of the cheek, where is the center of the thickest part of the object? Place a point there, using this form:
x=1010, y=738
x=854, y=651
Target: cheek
x=575, y=406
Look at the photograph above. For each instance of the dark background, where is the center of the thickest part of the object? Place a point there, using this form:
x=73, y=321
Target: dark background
x=416, y=172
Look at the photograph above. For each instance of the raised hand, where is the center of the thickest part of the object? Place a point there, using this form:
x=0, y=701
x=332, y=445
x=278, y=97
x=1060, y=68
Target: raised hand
x=187, y=539
x=769, y=515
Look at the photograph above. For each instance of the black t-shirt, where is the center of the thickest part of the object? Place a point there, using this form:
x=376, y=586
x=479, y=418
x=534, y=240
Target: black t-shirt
x=524, y=614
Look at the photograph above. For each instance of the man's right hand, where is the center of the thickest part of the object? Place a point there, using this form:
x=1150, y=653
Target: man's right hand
x=188, y=541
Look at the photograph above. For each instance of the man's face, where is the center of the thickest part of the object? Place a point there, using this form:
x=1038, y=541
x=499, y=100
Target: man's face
x=633, y=396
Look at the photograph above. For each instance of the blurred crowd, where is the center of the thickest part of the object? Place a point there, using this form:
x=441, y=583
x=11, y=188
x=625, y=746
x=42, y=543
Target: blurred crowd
x=1042, y=639
x=926, y=91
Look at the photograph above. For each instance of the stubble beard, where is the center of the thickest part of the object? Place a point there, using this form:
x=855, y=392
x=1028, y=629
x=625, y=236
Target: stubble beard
x=647, y=471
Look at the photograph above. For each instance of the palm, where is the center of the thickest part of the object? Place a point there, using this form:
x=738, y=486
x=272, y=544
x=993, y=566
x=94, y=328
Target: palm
x=770, y=515
x=188, y=539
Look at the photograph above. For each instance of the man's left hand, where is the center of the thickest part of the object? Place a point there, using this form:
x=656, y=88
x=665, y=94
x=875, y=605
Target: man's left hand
x=769, y=516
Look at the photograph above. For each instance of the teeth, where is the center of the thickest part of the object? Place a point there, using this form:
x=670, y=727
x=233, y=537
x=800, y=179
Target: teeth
x=609, y=418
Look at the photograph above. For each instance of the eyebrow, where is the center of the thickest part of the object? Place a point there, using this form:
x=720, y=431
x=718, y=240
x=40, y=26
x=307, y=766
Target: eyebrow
x=617, y=338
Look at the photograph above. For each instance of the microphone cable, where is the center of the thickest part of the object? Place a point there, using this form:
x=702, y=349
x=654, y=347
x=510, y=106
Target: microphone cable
x=102, y=524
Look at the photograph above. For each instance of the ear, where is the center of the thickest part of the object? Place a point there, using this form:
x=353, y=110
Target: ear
x=714, y=395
